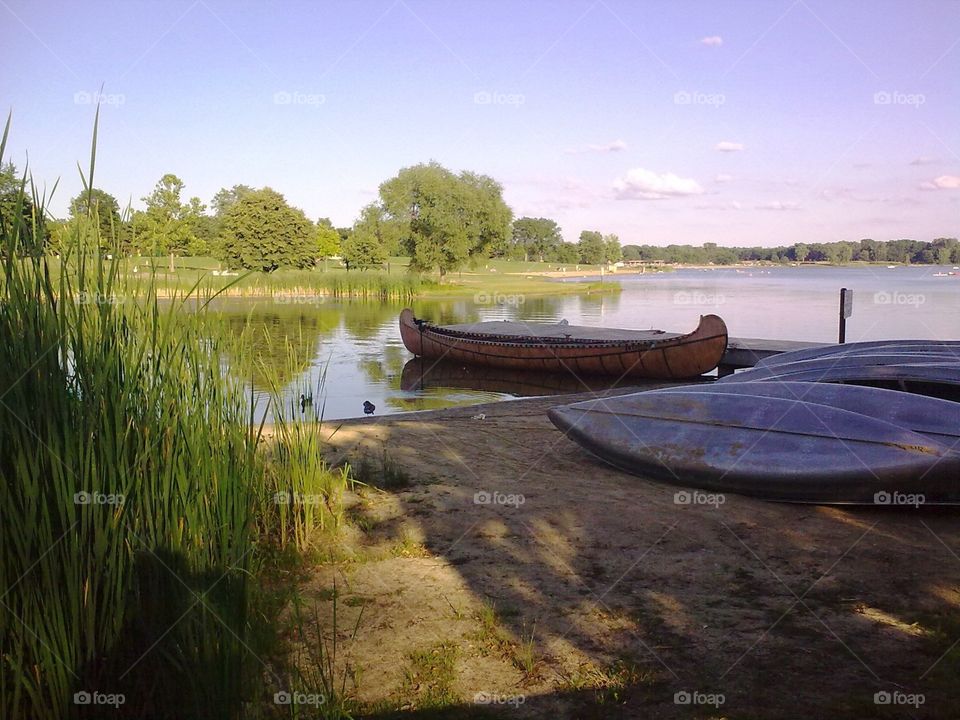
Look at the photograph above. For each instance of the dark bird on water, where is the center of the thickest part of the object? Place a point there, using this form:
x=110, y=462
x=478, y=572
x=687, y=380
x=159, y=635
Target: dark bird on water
x=368, y=407
x=305, y=401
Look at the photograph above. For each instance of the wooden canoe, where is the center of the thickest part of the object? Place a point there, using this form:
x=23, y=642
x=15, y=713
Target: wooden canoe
x=768, y=447
x=573, y=349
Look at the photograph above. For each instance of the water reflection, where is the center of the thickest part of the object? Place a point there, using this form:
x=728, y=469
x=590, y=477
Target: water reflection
x=419, y=374
x=350, y=351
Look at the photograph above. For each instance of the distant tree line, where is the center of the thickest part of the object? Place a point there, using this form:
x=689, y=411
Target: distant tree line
x=442, y=220
x=941, y=251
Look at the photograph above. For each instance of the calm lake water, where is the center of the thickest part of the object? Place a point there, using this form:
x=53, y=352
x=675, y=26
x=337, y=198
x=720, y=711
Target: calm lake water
x=347, y=352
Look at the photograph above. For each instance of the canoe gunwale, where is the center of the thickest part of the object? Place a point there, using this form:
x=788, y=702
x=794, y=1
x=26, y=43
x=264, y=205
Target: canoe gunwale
x=538, y=341
x=674, y=357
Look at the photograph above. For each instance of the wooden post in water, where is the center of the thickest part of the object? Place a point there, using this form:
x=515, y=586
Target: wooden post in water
x=846, y=310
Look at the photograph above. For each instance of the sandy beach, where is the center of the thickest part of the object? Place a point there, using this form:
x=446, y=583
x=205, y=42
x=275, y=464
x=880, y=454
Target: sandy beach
x=510, y=571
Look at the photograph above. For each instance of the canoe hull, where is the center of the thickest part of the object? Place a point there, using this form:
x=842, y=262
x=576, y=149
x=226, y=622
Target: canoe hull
x=672, y=358
x=766, y=447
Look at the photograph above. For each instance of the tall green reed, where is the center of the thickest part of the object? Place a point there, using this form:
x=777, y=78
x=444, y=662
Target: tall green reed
x=129, y=477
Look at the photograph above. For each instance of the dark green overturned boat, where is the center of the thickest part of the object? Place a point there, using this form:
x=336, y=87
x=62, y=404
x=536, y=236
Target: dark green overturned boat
x=796, y=442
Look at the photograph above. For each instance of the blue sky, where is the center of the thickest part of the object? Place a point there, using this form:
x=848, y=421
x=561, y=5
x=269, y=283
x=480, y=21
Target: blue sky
x=760, y=123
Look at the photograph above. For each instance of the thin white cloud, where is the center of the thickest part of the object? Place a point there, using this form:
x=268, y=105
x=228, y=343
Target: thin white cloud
x=727, y=146
x=723, y=178
x=642, y=184
x=732, y=205
x=923, y=160
x=615, y=146
x=712, y=41
x=779, y=205
x=944, y=182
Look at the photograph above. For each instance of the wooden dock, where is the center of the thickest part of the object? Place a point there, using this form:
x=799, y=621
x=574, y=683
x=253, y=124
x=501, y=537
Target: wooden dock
x=747, y=352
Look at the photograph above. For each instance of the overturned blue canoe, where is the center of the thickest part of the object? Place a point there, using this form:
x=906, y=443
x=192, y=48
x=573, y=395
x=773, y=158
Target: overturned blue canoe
x=932, y=376
x=950, y=348
x=769, y=447
x=936, y=418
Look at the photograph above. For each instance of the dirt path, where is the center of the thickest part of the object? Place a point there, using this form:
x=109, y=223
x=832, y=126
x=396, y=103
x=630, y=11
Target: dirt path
x=579, y=591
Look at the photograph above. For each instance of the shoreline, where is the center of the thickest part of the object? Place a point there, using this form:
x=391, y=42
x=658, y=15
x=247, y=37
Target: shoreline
x=600, y=578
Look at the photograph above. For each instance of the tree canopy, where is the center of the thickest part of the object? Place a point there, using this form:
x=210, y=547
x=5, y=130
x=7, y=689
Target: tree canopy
x=538, y=238
x=445, y=219
x=262, y=232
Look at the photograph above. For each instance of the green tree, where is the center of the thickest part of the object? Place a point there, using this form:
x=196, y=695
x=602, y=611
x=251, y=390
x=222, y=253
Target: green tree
x=612, y=251
x=163, y=228
x=445, y=219
x=204, y=229
x=104, y=207
x=536, y=237
x=566, y=253
x=591, y=247
x=363, y=249
x=16, y=198
x=260, y=231
x=224, y=199
x=327, y=241
x=800, y=252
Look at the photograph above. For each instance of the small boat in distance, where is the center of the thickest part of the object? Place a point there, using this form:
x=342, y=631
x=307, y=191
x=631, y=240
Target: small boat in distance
x=559, y=347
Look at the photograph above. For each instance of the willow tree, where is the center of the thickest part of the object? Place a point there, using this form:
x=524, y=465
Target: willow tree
x=445, y=219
